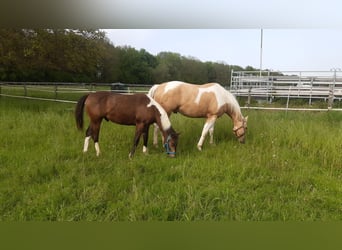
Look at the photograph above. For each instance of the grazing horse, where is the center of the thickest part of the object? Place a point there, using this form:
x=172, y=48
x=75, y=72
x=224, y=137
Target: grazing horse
x=209, y=100
x=139, y=110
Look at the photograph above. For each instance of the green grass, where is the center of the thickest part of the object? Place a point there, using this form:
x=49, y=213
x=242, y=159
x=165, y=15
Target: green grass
x=290, y=169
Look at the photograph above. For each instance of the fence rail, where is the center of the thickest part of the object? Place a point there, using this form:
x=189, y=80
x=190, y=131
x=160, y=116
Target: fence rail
x=261, y=89
x=62, y=91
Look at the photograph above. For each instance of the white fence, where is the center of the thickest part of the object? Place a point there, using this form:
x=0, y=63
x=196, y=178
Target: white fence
x=269, y=86
x=63, y=92
x=260, y=90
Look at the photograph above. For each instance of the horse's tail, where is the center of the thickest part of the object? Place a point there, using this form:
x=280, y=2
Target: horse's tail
x=79, y=112
x=152, y=90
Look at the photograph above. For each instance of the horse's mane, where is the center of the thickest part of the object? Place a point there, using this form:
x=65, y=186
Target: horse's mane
x=152, y=90
x=233, y=104
x=165, y=121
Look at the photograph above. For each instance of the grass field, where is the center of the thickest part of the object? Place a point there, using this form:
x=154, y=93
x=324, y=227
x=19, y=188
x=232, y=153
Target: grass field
x=290, y=169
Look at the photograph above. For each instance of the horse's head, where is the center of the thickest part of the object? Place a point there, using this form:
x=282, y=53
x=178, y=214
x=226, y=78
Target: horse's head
x=170, y=144
x=240, y=129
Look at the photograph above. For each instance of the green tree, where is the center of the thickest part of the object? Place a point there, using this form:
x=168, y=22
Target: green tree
x=86, y=55
x=218, y=72
x=136, y=66
x=110, y=66
x=193, y=70
x=50, y=54
x=169, y=67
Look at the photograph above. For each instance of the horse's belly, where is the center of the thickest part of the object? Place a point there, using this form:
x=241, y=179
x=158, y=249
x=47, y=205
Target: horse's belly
x=123, y=120
x=193, y=112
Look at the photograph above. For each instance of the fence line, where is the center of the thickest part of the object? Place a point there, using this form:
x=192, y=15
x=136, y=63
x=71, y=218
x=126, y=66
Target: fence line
x=291, y=109
x=47, y=91
x=289, y=85
x=75, y=90
x=38, y=98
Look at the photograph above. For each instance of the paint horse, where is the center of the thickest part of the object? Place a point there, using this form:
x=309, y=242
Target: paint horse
x=139, y=110
x=209, y=100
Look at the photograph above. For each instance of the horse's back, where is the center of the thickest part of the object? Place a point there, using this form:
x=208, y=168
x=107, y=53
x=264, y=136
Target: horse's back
x=182, y=89
x=118, y=108
x=104, y=98
x=192, y=100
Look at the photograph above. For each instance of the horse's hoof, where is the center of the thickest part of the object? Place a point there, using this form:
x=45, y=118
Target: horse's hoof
x=199, y=148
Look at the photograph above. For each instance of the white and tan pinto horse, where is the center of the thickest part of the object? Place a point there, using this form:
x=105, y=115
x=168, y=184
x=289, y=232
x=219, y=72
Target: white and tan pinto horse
x=209, y=100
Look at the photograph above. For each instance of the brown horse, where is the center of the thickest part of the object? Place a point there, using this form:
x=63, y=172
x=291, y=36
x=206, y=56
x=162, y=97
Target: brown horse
x=139, y=110
x=209, y=100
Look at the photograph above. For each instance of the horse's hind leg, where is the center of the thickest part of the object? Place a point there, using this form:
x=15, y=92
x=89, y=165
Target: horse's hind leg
x=86, y=140
x=93, y=132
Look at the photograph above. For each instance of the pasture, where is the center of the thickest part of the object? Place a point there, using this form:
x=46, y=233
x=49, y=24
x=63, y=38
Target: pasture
x=290, y=169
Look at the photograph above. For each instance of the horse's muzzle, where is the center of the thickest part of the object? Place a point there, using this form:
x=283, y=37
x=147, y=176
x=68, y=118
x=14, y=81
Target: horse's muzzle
x=168, y=150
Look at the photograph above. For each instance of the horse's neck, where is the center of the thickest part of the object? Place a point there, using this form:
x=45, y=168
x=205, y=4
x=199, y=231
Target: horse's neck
x=161, y=127
x=232, y=108
x=167, y=132
x=235, y=115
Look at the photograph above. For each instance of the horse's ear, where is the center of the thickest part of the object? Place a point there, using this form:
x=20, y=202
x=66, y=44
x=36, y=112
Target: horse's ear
x=246, y=118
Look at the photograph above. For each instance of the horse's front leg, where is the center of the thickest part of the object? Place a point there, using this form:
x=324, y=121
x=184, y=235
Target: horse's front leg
x=208, y=126
x=145, y=137
x=211, y=134
x=138, y=132
x=155, y=134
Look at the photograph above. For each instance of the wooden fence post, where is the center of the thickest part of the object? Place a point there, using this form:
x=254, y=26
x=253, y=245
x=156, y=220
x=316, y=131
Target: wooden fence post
x=331, y=91
x=249, y=96
x=331, y=96
x=288, y=98
x=56, y=89
x=25, y=90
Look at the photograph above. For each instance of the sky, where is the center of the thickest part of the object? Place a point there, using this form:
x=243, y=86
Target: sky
x=212, y=14
x=297, y=34
x=282, y=49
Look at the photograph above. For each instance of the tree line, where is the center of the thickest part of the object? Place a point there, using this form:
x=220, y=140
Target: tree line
x=87, y=55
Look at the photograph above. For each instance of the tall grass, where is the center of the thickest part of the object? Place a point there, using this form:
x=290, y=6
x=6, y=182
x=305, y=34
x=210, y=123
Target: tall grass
x=288, y=170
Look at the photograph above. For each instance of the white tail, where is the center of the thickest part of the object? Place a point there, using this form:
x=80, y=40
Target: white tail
x=152, y=90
